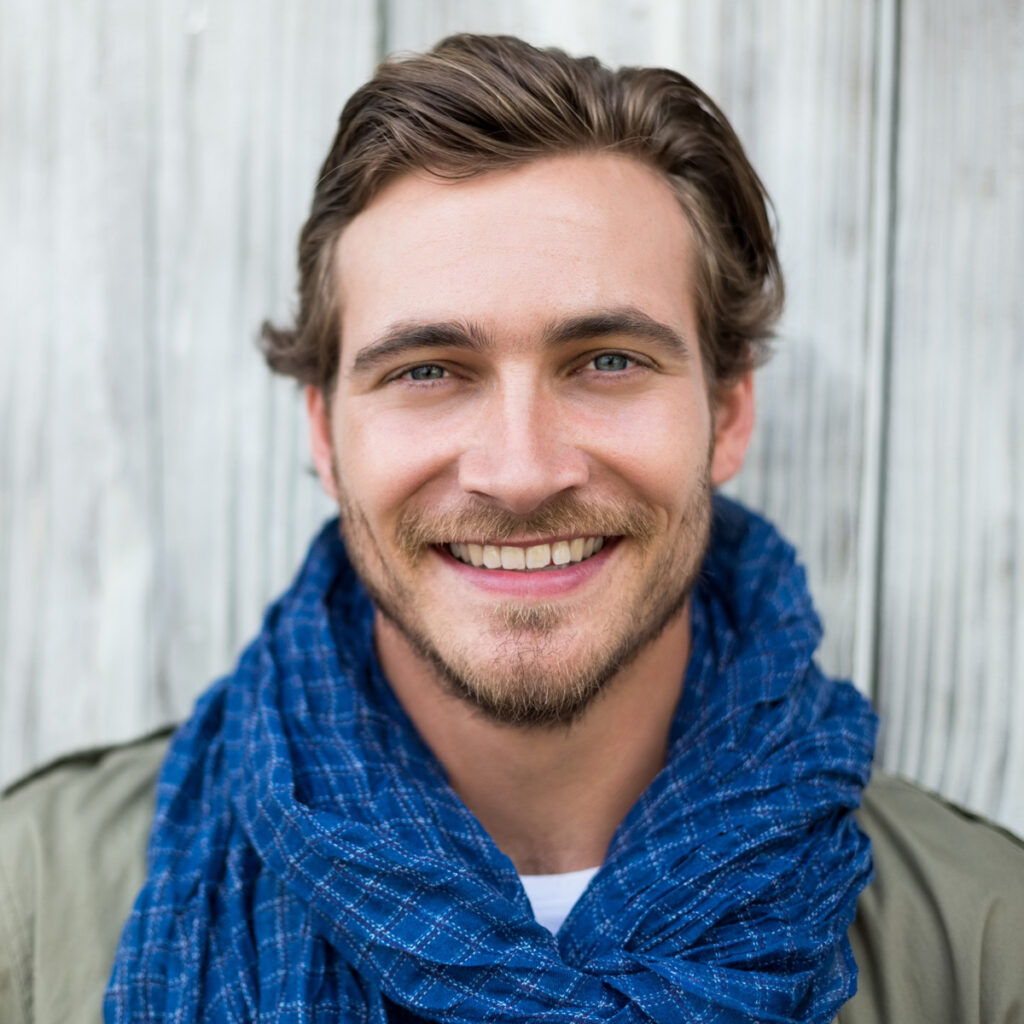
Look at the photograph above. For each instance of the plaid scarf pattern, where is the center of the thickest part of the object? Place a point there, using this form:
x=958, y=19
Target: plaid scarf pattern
x=309, y=862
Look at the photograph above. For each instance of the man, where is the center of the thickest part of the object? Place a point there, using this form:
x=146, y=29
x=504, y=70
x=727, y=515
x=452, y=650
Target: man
x=543, y=739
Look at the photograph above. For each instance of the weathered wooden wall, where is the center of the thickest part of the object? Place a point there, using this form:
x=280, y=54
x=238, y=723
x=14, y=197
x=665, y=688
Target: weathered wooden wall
x=156, y=159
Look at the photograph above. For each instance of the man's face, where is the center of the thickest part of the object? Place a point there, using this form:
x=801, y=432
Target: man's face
x=521, y=442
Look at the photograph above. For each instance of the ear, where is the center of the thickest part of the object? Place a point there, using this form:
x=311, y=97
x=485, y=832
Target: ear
x=734, y=422
x=320, y=439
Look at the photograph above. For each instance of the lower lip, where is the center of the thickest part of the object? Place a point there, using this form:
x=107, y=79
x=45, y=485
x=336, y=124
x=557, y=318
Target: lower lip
x=540, y=584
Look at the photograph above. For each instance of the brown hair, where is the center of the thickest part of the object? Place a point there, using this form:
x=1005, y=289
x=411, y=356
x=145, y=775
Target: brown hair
x=480, y=103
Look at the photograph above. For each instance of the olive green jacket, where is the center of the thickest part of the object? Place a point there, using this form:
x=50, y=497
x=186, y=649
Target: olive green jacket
x=939, y=934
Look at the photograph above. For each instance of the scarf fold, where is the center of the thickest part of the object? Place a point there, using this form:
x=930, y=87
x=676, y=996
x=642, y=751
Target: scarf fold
x=309, y=862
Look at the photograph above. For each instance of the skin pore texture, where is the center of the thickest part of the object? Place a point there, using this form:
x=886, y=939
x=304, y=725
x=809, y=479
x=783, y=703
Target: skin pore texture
x=522, y=448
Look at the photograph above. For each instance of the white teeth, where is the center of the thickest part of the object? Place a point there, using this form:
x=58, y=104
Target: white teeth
x=513, y=558
x=538, y=556
x=561, y=553
x=534, y=557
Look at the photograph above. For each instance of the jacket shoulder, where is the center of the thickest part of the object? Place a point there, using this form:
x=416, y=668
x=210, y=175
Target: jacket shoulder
x=72, y=858
x=937, y=935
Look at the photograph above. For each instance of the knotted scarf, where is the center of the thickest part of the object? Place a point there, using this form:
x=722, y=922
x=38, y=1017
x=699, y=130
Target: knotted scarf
x=309, y=862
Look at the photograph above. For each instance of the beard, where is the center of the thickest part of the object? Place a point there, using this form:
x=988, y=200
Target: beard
x=529, y=680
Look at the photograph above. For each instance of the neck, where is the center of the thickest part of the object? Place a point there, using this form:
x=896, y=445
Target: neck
x=550, y=797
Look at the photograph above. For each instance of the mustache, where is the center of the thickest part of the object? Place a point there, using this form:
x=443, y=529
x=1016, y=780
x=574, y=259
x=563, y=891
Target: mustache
x=564, y=514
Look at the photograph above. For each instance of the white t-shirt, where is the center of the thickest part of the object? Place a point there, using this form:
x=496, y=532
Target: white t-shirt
x=553, y=896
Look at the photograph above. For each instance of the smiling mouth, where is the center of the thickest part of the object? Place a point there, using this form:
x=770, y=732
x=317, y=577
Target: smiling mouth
x=528, y=558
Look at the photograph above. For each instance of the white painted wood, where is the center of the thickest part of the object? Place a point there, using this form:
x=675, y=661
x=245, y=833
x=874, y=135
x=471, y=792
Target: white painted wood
x=156, y=164
x=879, y=334
x=953, y=599
x=156, y=160
x=797, y=80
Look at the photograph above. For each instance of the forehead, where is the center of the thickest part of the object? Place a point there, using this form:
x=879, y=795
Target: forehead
x=515, y=250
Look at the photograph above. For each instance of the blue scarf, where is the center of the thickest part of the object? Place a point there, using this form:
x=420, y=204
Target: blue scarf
x=309, y=862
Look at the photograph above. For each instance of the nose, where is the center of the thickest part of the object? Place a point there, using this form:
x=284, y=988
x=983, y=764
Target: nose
x=522, y=451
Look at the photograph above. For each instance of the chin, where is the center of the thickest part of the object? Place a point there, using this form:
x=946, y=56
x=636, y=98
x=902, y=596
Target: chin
x=529, y=691
x=534, y=672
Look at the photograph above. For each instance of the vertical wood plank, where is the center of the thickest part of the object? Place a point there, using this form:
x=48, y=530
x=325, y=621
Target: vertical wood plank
x=253, y=92
x=812, y=92
x=953, y=613
x=156, y=164
x=81, y=552
x=798, y=81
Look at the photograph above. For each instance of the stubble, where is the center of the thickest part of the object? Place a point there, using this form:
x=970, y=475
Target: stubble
x=528, y=680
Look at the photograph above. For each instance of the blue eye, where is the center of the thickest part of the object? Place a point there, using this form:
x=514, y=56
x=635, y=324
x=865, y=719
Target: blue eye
x=611, y=361
x=429, y=371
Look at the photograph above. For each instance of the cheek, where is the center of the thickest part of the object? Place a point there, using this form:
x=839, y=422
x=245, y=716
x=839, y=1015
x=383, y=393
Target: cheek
x=659, y=447
x=384, y=457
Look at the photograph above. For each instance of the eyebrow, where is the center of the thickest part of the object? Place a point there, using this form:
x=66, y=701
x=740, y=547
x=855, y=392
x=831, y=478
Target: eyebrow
x=408, y=336
x=413, y=336
x=625, y=320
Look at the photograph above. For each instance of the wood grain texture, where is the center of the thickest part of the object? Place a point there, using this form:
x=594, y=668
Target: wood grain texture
x=156, y=161
x=798, y=81
x=952, y=613
x=156, y=165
